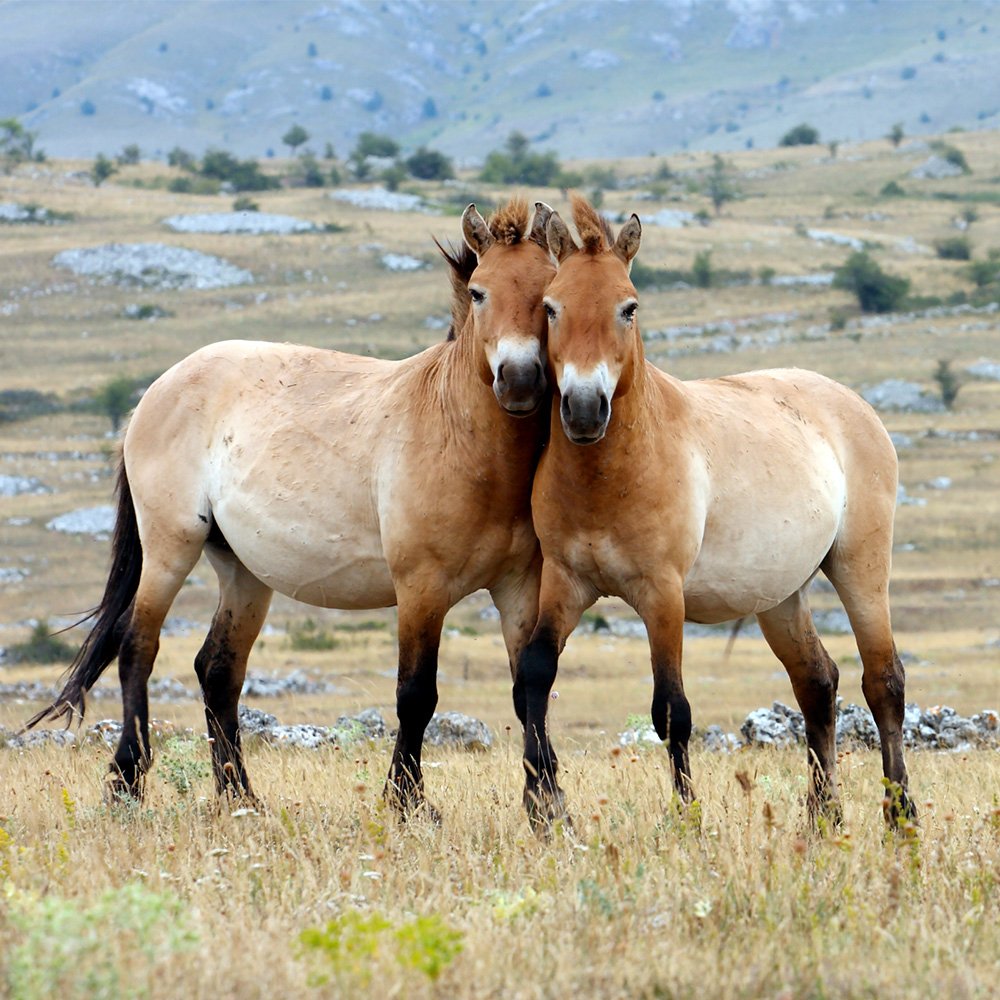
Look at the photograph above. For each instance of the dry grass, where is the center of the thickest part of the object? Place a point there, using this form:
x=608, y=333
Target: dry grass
x=733, y=899
x=637, y=901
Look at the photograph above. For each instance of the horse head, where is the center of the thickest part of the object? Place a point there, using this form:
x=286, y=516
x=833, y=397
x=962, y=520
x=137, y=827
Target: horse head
x=594, y=343
x=506, y=319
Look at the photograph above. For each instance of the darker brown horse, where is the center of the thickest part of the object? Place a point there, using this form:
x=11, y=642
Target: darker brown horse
x=707, y=501
x=341, y=481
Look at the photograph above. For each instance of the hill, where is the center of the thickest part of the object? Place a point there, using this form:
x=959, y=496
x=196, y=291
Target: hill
x=582, y=78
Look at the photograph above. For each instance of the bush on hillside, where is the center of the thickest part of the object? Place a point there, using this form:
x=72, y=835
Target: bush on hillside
x=876, y=291
x=954, y=248
x=800, y=135
x=430, y=165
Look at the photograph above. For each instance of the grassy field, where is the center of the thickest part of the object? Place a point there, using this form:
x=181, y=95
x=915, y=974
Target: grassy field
x=636, y=900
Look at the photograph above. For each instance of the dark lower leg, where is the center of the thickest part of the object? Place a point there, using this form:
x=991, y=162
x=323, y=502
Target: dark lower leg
x=536, y=673
x=816, y=692
x=133, y=755
x=221, y=672
x=883, y=684
x=671, y=713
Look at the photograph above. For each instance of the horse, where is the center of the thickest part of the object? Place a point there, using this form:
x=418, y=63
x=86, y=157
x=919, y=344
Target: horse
x=704, y=501
x=340, y=481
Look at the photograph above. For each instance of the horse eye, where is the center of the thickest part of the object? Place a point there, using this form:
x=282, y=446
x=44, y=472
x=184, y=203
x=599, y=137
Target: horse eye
x=549, y=311
x=628, y=313
x=478, y=297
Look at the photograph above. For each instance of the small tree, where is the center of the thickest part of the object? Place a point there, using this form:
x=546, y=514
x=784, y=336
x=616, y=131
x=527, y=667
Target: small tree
x=373, y=144
x=701, y=269
x=178, y=157
x=295, y=137
x=430, y=165
x=102, y=169
x=114, y=400
x=948, y=383
x=16, y=144
x=876, y=291
x=896, y=134
x=800, y=135
x=129, y=156
x=719, y=186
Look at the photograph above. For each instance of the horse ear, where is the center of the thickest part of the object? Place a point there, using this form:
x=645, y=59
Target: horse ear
x=542, y=215
x=477, y=234
x=561, y=241
x=627, y=244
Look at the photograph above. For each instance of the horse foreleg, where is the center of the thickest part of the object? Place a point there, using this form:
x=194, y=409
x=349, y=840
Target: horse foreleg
x=420, y=622
x=562, y=600
x=791, y=634
x=221, y=666
x=662, y=611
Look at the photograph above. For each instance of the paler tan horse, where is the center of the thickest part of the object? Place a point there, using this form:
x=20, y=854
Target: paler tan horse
x=340, y=481
x=706, y=501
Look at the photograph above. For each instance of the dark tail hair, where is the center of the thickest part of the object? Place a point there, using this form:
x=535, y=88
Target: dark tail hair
x=105, y=639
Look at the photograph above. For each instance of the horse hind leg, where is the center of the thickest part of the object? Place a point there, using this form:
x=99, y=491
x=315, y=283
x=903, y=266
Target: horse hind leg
x=221, y=666
x=162, y=576
x=791, y=634
x=861, y=579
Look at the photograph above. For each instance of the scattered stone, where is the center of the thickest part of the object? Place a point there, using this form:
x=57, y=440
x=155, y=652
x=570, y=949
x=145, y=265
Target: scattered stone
x=903, y=499
x=85, y=521
x=41, y=737
x=13, y=486
x=717, y=739
x=897, y=394
x=259, y=685
x=985, y=369
x=831, y=621
x=821, y=279
x=13, y=574
x=368, y=724
x=402, y=262
x=255, y=722
x=900, y=440
x=255, y=223
x=169, y=689
x=669, y=218
x=936, y=168
x=778, y=726
x=855, y=725
x=453, y=729
x=302, y=736
x=141, y=312
x=835, y=239
x=152, y=265
x=940, y=483
x=380, y=199
x=13, y=213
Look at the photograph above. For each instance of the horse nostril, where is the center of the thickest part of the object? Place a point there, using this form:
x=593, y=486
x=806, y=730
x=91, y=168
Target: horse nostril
x=500, y=378
x=565, y=410
x=604, y=409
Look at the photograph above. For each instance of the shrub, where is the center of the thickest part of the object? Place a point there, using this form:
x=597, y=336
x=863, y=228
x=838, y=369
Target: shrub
x=40, y=647
x=102, y=169
x=892, y=190
x=800, y=135
x=984, y=272
x=307, y=636
x=295, y=137
x=114, y=399
x=430, y=165
x=178, y=157
x=373, y=144
x=953, y=155
x=876, y=291
x=243, y=175
x=948, y=383
x=896, y=134
x=701, y=269
x=129, y=156
x=245, y=204
x=954, y=248
x=516, y=165
x=16, y=144
x=719, y=187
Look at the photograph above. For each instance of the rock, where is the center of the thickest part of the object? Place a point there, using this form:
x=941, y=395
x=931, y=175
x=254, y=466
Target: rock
x=255, y=722
x=985, y=369
x=832, y=621
x=855, y=726
x=715, y=738
x=169, y=689
x=41, y=737
x=12, y=212
x=778, y=726
x=936, y=168
x=367, y=724
x=456, y=730
x=13, y=486
x=903, y=499
x=13, y=574
x=379, y=198
x=900, y=440
x=303, y=736
x=642, y=736
x=835, y=239
x=85, y=521
x=908, y=397
x=940, y=483
x=669, y=218
x=152, y=265
x=255, y=223
x=402, y=262
x=258, y=685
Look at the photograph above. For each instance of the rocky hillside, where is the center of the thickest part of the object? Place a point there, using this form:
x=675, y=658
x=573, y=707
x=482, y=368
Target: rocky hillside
x=584, y=78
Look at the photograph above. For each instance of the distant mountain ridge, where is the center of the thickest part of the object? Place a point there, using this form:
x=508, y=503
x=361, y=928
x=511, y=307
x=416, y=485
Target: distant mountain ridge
x=583, y=78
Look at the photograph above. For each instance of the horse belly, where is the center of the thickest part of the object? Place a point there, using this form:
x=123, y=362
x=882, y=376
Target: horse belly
x=743, y=572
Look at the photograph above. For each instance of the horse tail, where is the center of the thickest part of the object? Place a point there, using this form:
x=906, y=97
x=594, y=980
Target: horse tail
x=112, y=614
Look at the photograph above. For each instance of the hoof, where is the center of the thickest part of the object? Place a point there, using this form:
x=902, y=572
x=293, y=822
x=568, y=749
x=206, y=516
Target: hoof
x=898, y=808
x=118, y=790
x=546, y=808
